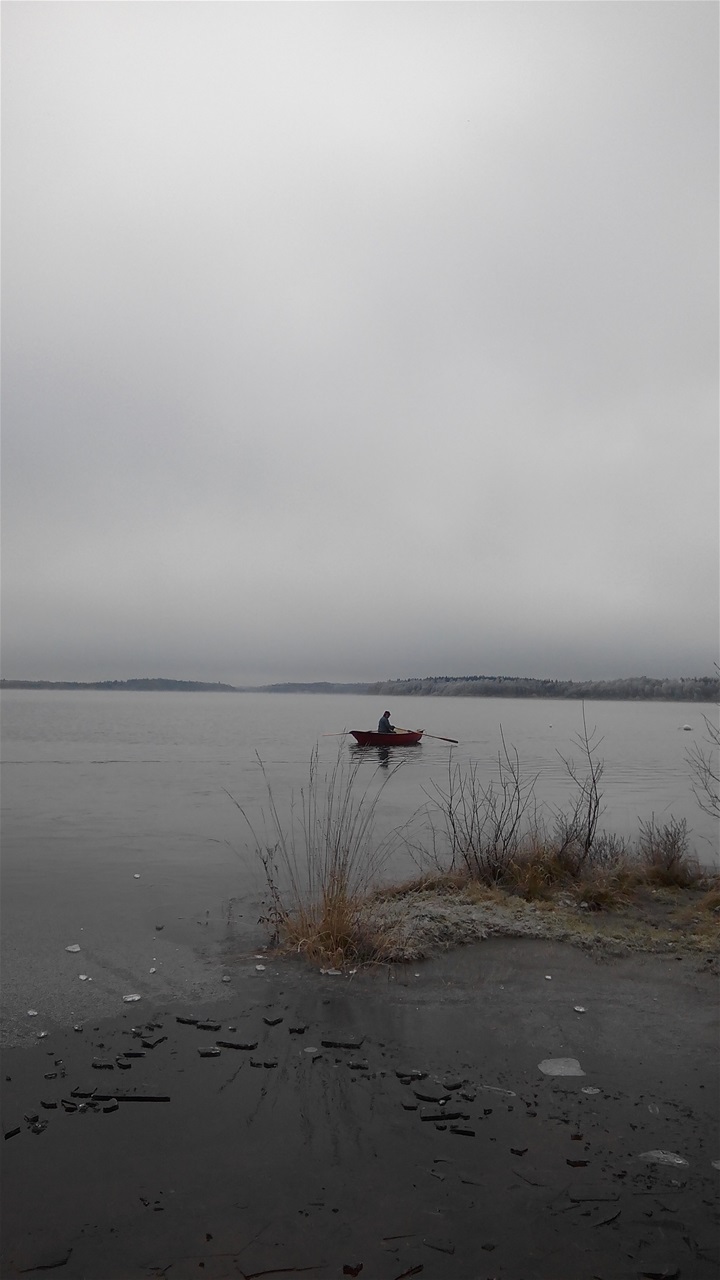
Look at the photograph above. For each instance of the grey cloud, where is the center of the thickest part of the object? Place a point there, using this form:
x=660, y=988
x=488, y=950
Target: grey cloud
x=350, y=341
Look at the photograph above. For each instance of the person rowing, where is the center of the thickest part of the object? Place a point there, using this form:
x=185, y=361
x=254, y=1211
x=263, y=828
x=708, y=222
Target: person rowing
x=384, y=725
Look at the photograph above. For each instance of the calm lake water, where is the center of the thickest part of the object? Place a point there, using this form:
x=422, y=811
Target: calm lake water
x=116, y=817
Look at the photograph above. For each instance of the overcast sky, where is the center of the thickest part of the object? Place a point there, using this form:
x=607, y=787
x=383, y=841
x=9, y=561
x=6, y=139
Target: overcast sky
x=351, y=341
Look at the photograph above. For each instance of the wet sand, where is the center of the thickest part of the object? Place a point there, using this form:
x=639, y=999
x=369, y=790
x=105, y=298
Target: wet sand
x=316, y=1152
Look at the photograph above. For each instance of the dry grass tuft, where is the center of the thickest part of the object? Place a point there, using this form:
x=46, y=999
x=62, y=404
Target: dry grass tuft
x=322, y=865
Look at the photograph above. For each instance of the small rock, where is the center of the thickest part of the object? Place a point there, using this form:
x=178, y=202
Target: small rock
x=561, y=1067
x=131, y=999
x=74, y=947
x=663, y=1157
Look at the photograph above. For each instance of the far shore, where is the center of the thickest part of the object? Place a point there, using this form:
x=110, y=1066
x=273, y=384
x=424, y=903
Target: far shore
x=694, y=689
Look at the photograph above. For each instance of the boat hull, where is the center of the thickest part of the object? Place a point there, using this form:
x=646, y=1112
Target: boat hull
x=402, y=738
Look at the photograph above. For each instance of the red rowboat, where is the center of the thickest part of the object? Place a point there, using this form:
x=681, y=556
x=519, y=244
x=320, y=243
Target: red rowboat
x=400, y=738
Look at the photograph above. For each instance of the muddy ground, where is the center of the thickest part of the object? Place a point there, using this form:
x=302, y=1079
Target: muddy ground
x=389, y=1124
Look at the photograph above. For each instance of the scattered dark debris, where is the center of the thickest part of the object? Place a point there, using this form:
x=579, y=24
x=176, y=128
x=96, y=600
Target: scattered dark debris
x=463, y=1133
x=209, y=1026
x=442, y=1246
x=343, y=1044
x=153, y=1044
x=273, y=1022
x=348, y=1270
x=299, y=1030
x=518, y=1151
x=237, y=1044
x=113, y=1105
x=49, y=1106
x=212, y=1052
x=441, y=1116
x=578, y=1164
x=187, y=1022
x=49, y=1265
x=13, y=1133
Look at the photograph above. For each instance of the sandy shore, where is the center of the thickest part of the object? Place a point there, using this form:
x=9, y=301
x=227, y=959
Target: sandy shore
x=318, y=1152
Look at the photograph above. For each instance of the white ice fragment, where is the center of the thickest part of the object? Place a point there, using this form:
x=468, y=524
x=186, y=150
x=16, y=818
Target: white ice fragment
x=310, y=1048
x=653, y=1109
x=83, y=977
x=32, y=1013
x=561, y=1067
x=715, y=1164
x=225, y=977
x=41, y=1035
x=589, y=1089
x=332, y=973
x=153, y=970
x=548, y=977
x=493, y=1088
x=579, y=1008
x=74, y=947
x=663, y=1157
x=260, y=968
x=136, y=876
x=130, y=999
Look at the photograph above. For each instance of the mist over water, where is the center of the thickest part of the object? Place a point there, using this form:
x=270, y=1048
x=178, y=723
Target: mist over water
x=101, y=788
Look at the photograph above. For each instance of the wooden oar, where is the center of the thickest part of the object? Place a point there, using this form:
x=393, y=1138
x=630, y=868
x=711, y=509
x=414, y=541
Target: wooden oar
x=336, y=735
x=428, y=735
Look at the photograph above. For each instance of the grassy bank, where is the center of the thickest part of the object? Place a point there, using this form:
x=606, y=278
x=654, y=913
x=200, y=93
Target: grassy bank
x=489, y=862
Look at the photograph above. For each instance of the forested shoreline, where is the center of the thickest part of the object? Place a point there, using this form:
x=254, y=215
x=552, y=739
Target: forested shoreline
x=633, y=688
x=645, y=688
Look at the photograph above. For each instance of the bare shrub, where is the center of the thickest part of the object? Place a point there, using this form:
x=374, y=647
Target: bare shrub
x=483, y=822
x=704, y=760
x=664, y=853
x=576, y=828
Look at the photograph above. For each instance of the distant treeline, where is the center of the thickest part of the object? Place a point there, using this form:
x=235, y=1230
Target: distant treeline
x=694, y=689
x=318, y=686
x=138, y=686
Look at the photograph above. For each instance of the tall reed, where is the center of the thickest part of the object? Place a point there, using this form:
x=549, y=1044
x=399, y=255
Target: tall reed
x=322, y=862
